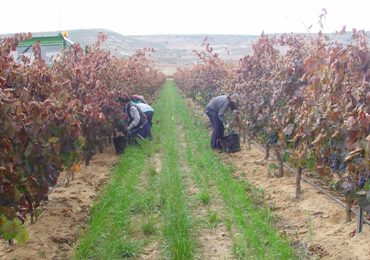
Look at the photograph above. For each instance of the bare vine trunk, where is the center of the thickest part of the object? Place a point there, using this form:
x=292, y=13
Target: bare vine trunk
x=348, y=208
x=298, y=190
x=280, y=162
x=267, y=152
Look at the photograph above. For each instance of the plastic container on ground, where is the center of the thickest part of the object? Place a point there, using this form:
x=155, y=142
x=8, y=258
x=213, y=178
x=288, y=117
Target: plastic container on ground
x=231, y=143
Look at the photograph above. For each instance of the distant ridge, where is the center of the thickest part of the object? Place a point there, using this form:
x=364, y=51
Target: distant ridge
x=173, y=51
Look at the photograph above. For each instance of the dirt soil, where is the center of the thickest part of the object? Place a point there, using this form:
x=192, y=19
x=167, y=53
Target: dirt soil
x=215, y=243
x=313, y=222
x=152, y=250
x=55, y=233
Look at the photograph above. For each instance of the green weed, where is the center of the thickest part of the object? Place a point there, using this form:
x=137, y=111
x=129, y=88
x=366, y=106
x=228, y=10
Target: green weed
x=204, y=197
x=149, y=227
x=213, y=219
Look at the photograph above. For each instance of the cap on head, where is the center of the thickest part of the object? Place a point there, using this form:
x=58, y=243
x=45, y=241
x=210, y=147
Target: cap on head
x=124, y=98
x=235, y=98
x=234, y=101
x=138, y=98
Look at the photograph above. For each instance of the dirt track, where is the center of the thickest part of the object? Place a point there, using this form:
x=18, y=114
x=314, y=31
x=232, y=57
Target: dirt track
x=313, y=221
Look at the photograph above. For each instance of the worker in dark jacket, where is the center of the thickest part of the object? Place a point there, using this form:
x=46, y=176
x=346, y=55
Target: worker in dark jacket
x=138, y=125
x=215, y=110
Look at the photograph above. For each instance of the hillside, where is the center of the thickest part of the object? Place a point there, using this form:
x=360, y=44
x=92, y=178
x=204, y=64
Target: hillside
x=173, y=51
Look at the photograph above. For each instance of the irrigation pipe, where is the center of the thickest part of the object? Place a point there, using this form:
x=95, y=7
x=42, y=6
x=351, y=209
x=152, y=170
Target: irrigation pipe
x=315, y=186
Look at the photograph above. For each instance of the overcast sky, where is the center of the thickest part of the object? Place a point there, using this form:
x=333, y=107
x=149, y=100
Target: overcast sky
x=136, y=17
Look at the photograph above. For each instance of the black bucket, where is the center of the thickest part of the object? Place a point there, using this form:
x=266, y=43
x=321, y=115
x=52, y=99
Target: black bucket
x=120, y=143
x=231, y=143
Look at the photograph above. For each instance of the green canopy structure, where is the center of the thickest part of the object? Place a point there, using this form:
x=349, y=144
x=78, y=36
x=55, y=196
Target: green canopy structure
x=51, y=46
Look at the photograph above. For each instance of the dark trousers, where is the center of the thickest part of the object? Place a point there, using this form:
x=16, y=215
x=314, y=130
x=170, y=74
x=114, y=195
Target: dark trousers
x=218, y=129
x=149, y=116
x=141, y=132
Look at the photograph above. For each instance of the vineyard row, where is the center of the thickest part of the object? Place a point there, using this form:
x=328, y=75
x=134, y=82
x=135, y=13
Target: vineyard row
x=53, y=118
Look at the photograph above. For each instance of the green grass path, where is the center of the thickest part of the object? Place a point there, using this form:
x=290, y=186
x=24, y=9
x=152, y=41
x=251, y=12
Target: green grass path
x=142, y=206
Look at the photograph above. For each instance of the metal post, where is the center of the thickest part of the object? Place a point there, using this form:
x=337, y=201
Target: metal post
x=360, y=215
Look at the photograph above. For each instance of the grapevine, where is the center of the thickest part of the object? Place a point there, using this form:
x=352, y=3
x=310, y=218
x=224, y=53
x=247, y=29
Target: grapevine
x=53, y=118
x=306, y=96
